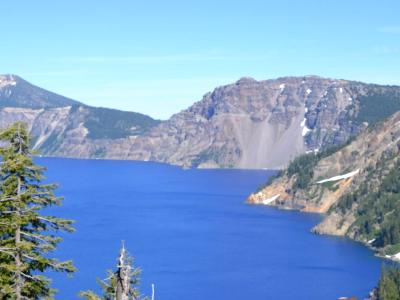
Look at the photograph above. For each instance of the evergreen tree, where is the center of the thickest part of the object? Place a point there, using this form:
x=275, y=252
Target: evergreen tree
x=26, y=236
x=121, y=284
x=389, y=283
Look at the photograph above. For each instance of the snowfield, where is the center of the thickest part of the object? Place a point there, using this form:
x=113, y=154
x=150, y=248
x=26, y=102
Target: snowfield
x=340, y=177
x=270, y=200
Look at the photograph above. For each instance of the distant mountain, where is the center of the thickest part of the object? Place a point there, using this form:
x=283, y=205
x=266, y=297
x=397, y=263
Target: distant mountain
x=357, y=185
x=65, y=127
x=16, y=92
x=247, y=124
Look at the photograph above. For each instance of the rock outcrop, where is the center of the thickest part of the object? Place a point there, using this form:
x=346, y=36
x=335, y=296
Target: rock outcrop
x=248, y=124
x=357, y=186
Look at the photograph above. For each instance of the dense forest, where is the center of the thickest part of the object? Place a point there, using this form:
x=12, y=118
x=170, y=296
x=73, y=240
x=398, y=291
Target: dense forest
x=377, y=106
x=303, y=166
x=389, y=284
x=377, y=205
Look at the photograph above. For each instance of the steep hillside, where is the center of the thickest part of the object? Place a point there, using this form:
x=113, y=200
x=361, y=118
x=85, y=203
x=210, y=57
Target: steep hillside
x=16, y=92
x=64, y=127
x=248, y=124
x=357, y=185
x=265, y=124
x=79, y=131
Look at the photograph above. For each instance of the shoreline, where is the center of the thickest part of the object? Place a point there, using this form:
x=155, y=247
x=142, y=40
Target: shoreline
x=376, y=251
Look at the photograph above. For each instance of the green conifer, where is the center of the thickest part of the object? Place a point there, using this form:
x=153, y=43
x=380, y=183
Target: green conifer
x=26, y=236
x=389, y=283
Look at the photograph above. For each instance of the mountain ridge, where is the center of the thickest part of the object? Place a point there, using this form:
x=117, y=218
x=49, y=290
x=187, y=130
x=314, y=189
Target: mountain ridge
x=248, y=113
x=248, y=124
x=17, y=92
x=357, y=186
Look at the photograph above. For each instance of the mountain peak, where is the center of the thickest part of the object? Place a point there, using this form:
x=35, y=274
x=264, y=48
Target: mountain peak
x=8, y=80
x=245, y=80
x=16, y=92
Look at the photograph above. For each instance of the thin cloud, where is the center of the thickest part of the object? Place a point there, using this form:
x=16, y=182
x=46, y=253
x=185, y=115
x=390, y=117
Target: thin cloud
x=162, y=59
x=395, y=29
x=185, y=88
x=386, y=50
x=61, y=73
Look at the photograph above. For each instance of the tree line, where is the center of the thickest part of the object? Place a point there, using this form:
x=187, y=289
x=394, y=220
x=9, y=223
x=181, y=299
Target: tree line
x=389, y=284
x=28, y=236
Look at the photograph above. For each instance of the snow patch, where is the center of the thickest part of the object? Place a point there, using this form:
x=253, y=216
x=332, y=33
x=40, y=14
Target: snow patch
x=340, y=177
x=315, y=151
x=397, y=256
x=40, y=140
x=282, y=87
x=305, y=129
x=306, y=110
x=7, y=81
x=308, y=91
x=341, y=90
x=371, y=241
x=270, y=200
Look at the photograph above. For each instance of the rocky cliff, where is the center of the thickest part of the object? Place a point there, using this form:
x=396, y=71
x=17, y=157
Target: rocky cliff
x=356, y=185
x=248, y=124
x=265, y=124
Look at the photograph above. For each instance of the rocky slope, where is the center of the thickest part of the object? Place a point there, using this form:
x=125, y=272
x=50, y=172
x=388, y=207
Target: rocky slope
x=65, y=127
x=265, y=124
x=248, y=124
x=357, y=185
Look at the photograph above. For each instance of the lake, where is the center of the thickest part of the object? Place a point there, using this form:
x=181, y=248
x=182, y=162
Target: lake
x=194, y=237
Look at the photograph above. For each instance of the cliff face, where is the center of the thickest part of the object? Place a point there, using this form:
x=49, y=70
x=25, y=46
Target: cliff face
x=248, y=124
x=357, y=186
x=265, y=124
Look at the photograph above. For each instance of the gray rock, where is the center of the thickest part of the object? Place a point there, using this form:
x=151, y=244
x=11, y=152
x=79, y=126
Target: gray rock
x=248, y=124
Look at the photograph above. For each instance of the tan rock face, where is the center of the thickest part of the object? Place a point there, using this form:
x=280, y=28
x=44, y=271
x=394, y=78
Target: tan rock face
x=278, y=187
x=321, y=202
x=354, y=158
x=335, y=224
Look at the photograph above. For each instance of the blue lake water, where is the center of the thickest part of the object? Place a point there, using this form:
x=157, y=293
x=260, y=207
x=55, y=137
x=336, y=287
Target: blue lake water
x=194, y=238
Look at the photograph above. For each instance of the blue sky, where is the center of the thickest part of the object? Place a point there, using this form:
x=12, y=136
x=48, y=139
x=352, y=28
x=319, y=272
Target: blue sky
x=158, y=57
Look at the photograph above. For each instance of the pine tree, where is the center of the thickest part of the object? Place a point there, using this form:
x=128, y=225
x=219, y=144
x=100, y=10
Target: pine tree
x=26, y=236
x=389, y=283
x=121, y=284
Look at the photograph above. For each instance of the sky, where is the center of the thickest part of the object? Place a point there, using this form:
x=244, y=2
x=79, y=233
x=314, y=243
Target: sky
x=159, y=57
